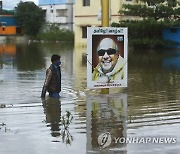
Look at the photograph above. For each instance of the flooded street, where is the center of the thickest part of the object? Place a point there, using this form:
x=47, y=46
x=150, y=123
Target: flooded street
x=147, y=112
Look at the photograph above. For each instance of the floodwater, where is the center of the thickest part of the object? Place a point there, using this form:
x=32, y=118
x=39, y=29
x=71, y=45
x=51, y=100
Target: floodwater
x=143, y=118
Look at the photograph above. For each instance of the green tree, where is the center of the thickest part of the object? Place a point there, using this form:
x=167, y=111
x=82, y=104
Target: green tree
x=30, y=17
x=157, y=9
x=6, y=12
x=154, y=15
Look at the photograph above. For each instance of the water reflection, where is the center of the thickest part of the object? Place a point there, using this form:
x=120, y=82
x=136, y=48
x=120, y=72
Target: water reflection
x=55, y=121
x=106, y=113
x=52, y=110
x=29, y=57
x=172, y=61
x=24, y=57
x=79, y=68
x=7, y=54
x=153, y=103
x=147, y=72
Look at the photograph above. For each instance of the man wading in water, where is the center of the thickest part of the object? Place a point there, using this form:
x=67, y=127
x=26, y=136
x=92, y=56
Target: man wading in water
x=52, y=82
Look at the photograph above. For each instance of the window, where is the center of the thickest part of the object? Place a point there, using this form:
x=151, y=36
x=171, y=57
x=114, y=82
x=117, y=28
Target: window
x=61, y=12
x=86, y=2
x=51, y=11
x=84, y=32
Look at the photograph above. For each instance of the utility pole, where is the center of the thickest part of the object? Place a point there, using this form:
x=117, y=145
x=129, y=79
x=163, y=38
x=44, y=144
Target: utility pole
x=105, y=13
x=1, y=6
x=105, y=23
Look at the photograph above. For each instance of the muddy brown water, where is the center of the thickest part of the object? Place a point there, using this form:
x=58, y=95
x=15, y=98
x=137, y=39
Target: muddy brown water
x=143, y=118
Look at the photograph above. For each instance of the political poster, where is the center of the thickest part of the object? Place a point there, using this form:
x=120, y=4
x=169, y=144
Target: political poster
x=107, y=54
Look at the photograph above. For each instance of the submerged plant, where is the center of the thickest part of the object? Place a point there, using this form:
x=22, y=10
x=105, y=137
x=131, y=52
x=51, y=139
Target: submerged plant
x=3, y=125
x=66, y=120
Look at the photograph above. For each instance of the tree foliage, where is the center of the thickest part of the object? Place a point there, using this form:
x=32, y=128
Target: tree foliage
x=156, y=11
x=154, y=16
x=30, y=17
x=6, y=12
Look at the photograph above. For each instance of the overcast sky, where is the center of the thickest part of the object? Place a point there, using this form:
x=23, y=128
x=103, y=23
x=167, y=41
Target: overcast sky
x=10, y=4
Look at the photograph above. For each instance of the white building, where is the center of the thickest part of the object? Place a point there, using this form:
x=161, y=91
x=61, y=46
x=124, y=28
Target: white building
x=59, y=12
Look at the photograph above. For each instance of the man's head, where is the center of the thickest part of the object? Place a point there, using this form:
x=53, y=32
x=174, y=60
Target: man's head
x=55, y=59
x=108, y=54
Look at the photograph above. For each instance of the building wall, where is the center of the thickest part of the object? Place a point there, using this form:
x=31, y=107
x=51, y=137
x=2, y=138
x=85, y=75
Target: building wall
x=89, y=16
x=8, y=20
x=8, y=25
x=59, y=12
x=172, y=34
x=7, y=30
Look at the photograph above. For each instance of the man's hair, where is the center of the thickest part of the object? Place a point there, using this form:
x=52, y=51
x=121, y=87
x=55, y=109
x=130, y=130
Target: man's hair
x=55, y=57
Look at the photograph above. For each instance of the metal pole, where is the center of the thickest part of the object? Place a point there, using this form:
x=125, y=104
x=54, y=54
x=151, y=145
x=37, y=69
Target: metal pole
x=105, y=23
x=105, y=13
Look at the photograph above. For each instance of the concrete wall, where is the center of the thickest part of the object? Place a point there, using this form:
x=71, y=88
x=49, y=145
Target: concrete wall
x=8, y=25
x=89, y=16
x=8, y=20
x=61, y=14
x=7, y=30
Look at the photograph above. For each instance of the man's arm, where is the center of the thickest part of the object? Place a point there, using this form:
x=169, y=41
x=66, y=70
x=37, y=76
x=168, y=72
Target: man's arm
x=46, y=82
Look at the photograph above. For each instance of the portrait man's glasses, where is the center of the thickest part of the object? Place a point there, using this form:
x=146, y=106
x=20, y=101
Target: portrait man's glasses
x=109, y=52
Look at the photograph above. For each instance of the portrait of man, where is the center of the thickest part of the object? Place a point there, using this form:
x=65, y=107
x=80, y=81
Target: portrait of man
x=107, y=57
x=110, y=63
